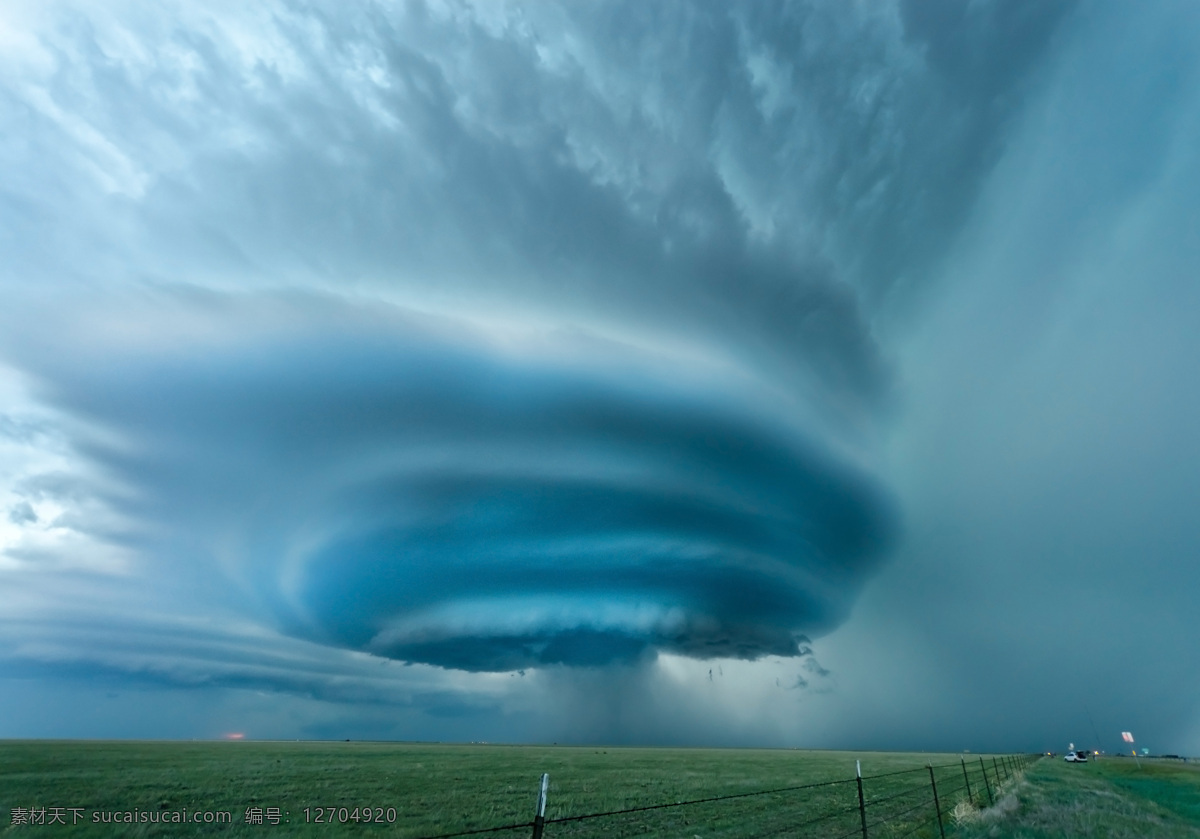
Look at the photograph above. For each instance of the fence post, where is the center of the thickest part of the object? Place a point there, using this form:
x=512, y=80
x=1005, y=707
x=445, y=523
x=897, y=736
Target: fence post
x=937, y=805
x=996, y=766
x=539, y=821
x=862, y=807
x=991, y=798
x=967, y=778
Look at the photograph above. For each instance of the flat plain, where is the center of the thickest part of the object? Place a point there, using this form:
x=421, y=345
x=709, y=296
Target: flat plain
x=417, y=790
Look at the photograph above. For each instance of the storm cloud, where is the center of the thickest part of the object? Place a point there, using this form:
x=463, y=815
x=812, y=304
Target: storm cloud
x=389, y=482
x=603, y=364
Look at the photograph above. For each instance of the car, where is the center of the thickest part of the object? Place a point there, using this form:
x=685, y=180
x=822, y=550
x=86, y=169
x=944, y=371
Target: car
x=1076, y=757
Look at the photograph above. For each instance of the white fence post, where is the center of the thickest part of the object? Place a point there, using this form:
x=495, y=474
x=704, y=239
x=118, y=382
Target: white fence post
x=539, y=821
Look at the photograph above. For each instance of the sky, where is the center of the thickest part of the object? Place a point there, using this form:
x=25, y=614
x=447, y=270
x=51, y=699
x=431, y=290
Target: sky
x=743, y=374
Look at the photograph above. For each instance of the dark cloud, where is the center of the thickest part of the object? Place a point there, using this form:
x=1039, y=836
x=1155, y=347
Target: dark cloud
x=478, y=510
x=597, y=339
x=984, y=51
x=22, y=513
x=569, y=165
x=221, y=651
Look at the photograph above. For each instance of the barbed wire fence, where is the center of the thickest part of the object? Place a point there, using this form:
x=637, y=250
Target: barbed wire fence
x=918, y=802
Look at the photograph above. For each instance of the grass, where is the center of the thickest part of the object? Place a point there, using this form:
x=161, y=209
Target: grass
x=443, y=788
x=1112, y=798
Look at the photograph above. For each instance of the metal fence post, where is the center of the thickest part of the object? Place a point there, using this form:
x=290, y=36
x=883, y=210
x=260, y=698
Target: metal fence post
x=996, y=766
x=862, y=807
x=539, y=821
x=937, y=805
x=991, y=798
x=967, y=778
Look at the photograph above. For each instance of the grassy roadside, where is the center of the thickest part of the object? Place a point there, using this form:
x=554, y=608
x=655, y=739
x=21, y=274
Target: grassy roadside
x=1112, y=798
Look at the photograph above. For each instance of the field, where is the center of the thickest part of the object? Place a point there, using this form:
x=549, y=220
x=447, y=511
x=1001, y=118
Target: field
x=1113, y=798
x=434, y=789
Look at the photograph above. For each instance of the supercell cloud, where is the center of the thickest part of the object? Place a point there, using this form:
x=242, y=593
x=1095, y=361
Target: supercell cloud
x=450, y=358
x=419, y=489
x=439, y=335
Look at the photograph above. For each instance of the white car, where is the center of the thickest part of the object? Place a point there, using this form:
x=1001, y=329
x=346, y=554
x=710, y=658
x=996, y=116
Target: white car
x=1076, y=757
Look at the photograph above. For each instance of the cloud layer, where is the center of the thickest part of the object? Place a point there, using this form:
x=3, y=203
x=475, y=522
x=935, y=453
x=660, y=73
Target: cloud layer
x=556, y=387
x=396, y=483
x=610, y=344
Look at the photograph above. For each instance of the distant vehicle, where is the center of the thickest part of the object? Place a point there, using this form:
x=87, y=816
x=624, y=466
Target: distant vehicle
x=1076, y=757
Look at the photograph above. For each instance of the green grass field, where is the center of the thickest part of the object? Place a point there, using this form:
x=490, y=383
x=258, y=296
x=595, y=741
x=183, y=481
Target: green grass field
x=1112, y=798
x=442, y=788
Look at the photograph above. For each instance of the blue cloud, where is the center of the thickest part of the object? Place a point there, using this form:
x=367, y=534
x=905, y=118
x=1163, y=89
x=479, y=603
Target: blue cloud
x=474, y=507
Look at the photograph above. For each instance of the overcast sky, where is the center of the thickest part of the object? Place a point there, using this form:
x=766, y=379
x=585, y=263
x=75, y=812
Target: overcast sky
x=792, y=374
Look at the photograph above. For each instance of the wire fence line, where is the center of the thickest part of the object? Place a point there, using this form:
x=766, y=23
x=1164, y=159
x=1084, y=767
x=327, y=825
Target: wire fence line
x=888, y=805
